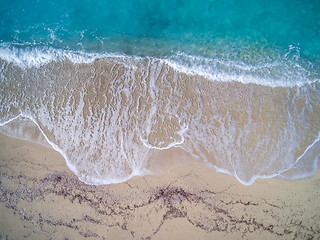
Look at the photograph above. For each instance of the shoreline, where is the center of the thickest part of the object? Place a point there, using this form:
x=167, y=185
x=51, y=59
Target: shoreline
x=42, y=198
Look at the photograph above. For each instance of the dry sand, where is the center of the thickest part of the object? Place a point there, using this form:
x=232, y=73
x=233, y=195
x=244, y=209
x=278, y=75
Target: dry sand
x=42, y=199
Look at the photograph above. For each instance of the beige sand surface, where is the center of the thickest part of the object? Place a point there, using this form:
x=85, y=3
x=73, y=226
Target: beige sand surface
x=42, y=199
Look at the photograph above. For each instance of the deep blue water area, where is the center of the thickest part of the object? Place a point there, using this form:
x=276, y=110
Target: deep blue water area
x=145, y=27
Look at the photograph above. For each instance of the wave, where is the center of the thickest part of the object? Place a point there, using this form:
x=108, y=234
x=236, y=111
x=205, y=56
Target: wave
x=285, y=70
x=38, y=56
x=108, y=114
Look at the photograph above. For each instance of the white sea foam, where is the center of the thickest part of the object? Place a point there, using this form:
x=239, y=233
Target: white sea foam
x=9, y=121
x=37, y=57
x=283, y=71
x=171, y=144
x=280, y=72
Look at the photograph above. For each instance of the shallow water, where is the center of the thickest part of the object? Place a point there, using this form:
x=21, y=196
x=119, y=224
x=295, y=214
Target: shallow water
x=229, y=84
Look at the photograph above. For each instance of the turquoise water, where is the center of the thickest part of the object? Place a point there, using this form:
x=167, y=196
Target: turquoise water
x=155, y=28
x=112, y=84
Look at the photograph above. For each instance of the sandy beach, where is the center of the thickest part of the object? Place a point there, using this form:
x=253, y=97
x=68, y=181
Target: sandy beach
x=42, y=199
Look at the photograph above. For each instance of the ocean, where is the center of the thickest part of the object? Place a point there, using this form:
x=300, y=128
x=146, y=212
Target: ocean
x=112, y=85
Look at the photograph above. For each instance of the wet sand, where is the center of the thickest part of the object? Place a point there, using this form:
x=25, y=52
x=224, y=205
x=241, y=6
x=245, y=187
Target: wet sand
x=42, y=199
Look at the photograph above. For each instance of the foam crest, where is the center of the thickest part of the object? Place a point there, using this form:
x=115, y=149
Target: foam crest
x=287, y=70
x=38, y=56
x=281, y=71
